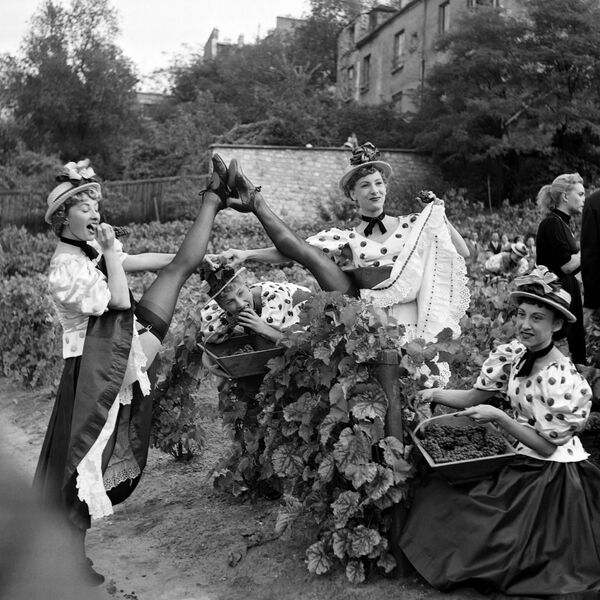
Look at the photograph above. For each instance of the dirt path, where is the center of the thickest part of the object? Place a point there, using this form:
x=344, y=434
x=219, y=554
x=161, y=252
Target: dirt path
x=175, y=537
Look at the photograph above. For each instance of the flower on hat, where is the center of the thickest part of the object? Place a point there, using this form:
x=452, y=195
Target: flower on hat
x=539, y=276
x=364, y=153
x=77, y=173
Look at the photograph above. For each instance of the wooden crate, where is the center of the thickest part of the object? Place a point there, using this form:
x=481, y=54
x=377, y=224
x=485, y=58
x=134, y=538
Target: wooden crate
x=246, y=364
x=462, y=471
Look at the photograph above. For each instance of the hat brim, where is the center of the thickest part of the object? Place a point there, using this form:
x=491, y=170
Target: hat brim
x=379, y=164
x=220, y=290
x=569, y=316
x=68, y=194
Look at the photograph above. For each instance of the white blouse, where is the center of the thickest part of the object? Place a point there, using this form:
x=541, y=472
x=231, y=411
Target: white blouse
x=79, y=290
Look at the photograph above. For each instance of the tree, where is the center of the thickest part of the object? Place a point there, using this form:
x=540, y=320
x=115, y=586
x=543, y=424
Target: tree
x=72, y=92
x=517, y=98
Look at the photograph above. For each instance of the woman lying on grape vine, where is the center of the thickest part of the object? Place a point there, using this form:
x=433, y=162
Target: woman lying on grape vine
x=96, y=445
x=267, y=308
x=533, y=529
x=422, y=277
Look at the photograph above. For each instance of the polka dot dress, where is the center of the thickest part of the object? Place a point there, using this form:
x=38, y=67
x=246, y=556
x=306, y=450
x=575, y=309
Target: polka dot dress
x=366, y=252
x=555, y=401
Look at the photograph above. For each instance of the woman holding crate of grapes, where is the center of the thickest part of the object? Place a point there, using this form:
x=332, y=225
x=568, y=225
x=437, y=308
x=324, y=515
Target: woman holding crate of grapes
x=534, y=527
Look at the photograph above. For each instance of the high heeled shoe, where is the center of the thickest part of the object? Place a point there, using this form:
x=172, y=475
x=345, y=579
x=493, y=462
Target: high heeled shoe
x=243, y=191
x=218, y=180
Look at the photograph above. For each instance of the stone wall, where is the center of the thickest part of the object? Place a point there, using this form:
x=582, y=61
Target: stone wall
x=297, y=180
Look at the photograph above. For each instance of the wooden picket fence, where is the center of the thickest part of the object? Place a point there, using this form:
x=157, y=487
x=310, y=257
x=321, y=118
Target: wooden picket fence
x=139, y=201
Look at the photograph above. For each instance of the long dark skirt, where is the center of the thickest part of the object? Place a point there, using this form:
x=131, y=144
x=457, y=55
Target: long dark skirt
x=532, y=530
x=88, y=388
x=575, y=331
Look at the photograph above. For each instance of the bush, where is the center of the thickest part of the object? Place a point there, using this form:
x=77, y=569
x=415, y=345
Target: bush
x=30, y=337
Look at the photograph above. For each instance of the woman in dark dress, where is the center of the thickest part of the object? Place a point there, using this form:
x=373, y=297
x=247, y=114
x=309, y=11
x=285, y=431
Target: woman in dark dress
x=96, y=445
x=533, y=528
x=557, y=249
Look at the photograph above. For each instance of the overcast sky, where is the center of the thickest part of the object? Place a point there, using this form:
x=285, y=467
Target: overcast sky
x=155, y=30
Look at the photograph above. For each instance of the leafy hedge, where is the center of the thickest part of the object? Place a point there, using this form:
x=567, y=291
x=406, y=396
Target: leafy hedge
x=30, y=337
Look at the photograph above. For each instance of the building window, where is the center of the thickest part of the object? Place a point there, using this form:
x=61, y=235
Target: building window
x=475, y=3
x=444, y=17
x=398, y=60
x=366, y=73
x=397, y=100
x=372, y=20
x=351, y=33
x=350, y=81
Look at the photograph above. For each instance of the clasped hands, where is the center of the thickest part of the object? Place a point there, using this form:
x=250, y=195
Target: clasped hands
x=231, y=258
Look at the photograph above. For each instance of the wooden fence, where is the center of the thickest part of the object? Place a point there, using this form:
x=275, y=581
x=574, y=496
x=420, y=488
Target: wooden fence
x=141, y=201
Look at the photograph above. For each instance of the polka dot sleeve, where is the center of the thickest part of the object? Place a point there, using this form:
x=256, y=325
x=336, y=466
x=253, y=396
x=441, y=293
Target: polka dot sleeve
x=495, y=371
x=564, y=405
x=214, y=326
x=331, y=241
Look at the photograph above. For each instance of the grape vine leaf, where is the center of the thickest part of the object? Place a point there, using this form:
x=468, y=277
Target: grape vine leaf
x=381, y=482
x=286, y=462
x=288, y=515
x=355, y=572
x=360, y=474
x=326, y=469
x=387, y=562
x=364, y=540
x=353, y=447
x=345, y=507
x=316, y=558
x=342, y=543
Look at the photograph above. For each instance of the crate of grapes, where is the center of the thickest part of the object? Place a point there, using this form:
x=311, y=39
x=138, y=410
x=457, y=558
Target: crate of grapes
x=243, y=355
x=460, y=449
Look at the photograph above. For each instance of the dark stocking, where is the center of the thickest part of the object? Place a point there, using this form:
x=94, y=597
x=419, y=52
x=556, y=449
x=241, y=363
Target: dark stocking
x=161, y=296
x=328, y=275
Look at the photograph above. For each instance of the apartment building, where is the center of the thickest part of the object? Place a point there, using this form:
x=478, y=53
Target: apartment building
x=384, y=55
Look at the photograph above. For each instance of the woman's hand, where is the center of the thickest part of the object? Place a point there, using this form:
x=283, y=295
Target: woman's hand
x=483, y=413
x=105, y=236
x=426, y=197
x=248, y=318
x=424, y=396
x=231, y=258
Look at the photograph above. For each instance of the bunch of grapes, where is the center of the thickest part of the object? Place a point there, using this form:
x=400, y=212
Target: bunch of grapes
x=245, y=349
x=445, y=443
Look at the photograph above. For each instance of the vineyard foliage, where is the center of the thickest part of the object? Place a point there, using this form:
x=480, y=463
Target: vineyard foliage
x=312, y=431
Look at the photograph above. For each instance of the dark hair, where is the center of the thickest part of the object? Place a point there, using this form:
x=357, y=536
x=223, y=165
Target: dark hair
x=359, y=174
x=557, y=335
x=216, y=278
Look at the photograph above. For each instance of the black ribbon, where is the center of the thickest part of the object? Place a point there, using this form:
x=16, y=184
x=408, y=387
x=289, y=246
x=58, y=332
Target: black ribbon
x=529, y=358
x=372, y=221
x=88, y=250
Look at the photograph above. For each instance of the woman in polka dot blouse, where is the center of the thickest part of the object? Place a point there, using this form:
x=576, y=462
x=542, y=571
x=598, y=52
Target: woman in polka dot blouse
x=533, y=528
x=267, y=308
x=421, y=256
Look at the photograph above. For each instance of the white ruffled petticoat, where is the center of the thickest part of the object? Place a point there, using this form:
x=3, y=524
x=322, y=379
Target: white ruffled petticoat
x=429, y=271
x=90, y=483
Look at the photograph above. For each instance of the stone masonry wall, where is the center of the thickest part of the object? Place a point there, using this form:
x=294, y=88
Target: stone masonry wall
x=297, y=180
